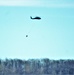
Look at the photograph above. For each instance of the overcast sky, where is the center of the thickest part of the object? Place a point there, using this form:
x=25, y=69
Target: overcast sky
x=51, y=37
x=38, y=3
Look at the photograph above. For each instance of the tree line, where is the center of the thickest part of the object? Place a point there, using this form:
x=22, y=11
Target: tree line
x=36, y=66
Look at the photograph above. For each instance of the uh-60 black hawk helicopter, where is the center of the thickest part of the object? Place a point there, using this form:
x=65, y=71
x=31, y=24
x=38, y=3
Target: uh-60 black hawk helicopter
x=35, y=18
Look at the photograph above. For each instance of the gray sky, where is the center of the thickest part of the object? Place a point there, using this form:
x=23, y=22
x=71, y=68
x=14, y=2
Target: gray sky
x=51, y=37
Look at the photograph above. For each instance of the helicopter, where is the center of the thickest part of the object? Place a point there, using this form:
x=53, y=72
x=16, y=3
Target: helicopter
x=37, y=18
